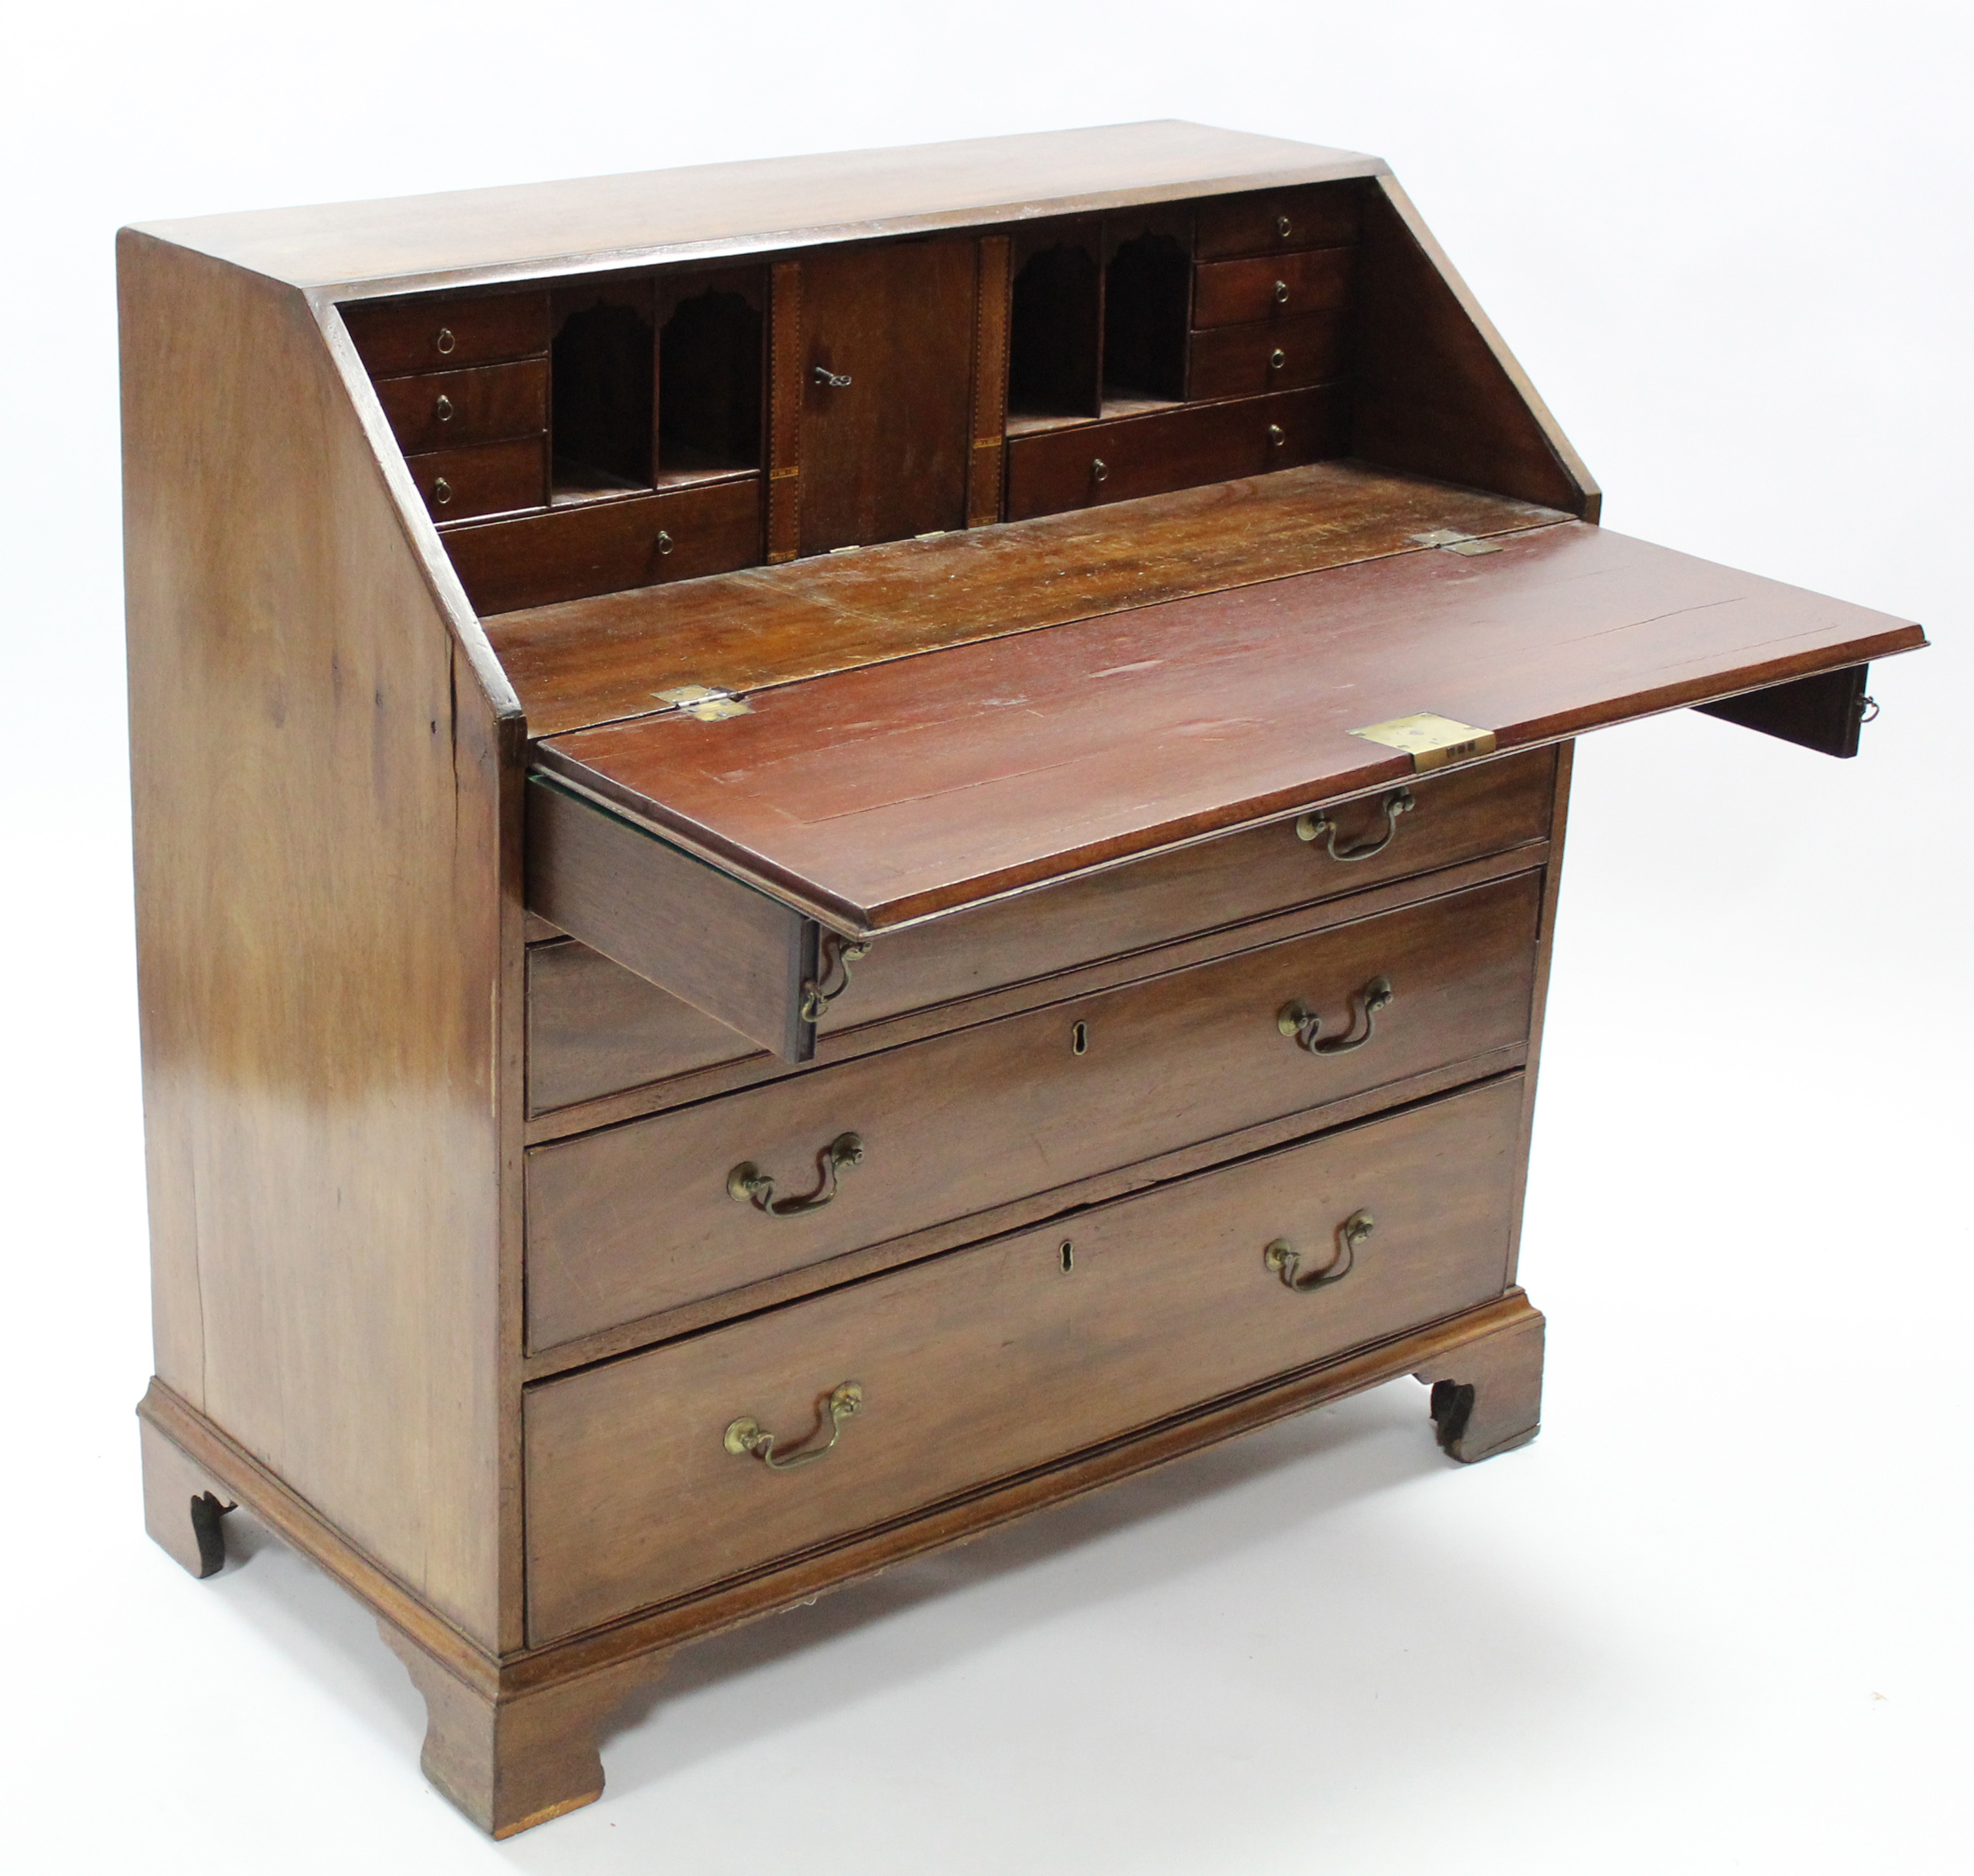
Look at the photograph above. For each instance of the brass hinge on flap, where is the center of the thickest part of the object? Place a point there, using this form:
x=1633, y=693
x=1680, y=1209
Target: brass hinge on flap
x=704, y=703
x=1431, y=741
x=1451, y=540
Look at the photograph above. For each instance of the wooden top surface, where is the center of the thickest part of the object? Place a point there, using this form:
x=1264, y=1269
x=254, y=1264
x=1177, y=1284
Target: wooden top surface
x=534, y=228
x=884, y=795
x=591, y=661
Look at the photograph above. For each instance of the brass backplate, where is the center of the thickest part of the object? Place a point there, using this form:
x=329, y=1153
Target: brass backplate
x=1430, y=740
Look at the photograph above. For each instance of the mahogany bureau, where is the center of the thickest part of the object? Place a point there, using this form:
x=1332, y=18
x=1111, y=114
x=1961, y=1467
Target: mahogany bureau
x=829, y=849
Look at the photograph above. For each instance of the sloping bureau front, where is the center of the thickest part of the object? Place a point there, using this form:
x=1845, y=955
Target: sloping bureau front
x=845, y=846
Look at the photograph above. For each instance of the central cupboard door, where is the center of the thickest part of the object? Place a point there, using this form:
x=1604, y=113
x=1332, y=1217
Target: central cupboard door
x=884, y=456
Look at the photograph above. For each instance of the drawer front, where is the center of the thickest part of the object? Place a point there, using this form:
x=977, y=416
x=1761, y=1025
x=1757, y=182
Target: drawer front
x=489, y=479
x=631, y=1220
x=990, y=1360
x=447, y=410
x=646, y=540
x=433, y=335
x=1248, y=361
x=1182, y=447
x=594, y=1028
x=1232, y=292
x=1271, y=220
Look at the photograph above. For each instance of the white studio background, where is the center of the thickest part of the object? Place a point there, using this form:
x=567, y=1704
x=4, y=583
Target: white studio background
x=1714, y=1618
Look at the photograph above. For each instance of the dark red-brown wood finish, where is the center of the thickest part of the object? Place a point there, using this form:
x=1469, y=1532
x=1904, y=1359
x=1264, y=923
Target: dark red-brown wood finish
x=768, y=931
x=1086, y=745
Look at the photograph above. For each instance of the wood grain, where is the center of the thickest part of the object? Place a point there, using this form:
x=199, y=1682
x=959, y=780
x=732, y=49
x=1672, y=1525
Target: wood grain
x=733, y=953
x=594, y=1027
x=1824, y=713
x=445, y=410
x=1487, y=1393
x=602, y=658
x=885, y=454
x=746, y=207
x=1116, y=461
x=1272, y=287
x=1321, y=216
x=487, y=479
x=644, y=540
x=639, y=1219
x=840, y=794
x=1245, y=361
x=990, y=383
x=439, y=333
x=1167, y=1303
x=516, y=1757
x=1438, y=392
x=318, y=784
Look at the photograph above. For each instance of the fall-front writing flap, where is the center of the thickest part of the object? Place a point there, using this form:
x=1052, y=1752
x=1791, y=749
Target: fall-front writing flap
x=876, y=796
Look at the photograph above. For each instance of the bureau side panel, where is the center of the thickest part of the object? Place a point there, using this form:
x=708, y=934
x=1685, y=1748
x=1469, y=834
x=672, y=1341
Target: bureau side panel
x=319, y=811
x=1438, y=392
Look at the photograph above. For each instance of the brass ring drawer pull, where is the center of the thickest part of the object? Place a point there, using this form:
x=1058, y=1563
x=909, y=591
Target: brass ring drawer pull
x=1281, y=292
x=442, y=410
x=445, y=341
x=1302, y=1024
x=744, y=1438
x=442, y=491
x=748, y=1185
x=816, y=998
x=1318, y=826
x=1283, y=1258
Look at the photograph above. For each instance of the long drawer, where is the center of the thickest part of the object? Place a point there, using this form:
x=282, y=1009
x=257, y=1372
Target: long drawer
x=1006, y=1356
x=1119, y=459
x=631, y=1220
x=594, y=1028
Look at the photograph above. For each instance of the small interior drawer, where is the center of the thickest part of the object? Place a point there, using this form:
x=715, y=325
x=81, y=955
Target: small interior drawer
x=483, y=404
x=1270, y=221
x=1087, y=465
x=629, y=1221
x=594, y=1028
x=1281, y=286
x=1276, y=355
x=487, y=479
x=394, y=336
x=613, y=546
x=990, y=1360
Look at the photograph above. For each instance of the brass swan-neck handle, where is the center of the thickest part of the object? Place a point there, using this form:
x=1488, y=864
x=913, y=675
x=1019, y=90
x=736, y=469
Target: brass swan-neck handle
x=817, y=995
x=1302, y=1024
x=1284, y=1258
x=746, y=1438
x=748, y=1185
x=1319, y=826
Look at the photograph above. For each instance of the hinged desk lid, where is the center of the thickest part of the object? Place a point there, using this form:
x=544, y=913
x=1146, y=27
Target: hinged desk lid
x=878, y=797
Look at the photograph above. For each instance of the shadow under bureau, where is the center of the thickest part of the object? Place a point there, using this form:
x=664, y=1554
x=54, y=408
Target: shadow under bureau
x=830, y=849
